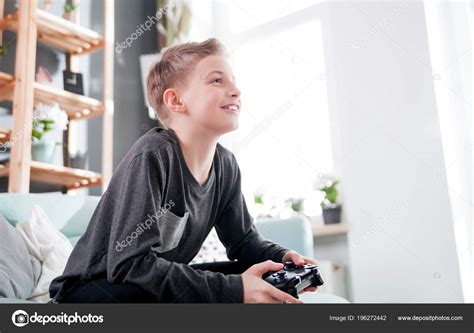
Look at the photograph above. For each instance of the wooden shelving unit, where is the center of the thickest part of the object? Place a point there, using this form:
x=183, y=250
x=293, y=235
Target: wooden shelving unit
x=59, y=33
x=53, y=174
x=76, y=106
x=33, y=25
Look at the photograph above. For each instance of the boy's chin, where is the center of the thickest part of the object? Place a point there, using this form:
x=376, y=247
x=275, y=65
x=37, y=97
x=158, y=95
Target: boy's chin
x=232, y=127
x=226, y=128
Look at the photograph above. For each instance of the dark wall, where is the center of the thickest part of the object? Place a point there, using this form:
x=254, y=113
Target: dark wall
x=130, y=117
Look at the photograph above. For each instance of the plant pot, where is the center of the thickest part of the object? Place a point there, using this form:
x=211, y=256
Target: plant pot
x=79, y=161
x=332, y=214
x=43, y=150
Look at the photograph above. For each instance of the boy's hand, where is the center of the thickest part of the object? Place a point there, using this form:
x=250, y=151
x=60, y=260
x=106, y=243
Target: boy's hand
x=298, y=259
x=257, y=290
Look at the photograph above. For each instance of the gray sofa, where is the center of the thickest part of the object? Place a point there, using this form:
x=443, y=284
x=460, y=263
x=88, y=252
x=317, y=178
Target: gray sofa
x=71, y=215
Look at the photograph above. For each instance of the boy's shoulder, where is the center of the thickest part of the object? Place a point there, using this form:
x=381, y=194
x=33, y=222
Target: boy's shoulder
x=225, y=155
x=227, y=163
x=155, y=140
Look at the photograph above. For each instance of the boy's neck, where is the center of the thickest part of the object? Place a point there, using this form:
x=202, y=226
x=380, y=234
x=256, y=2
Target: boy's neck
x=198, y=150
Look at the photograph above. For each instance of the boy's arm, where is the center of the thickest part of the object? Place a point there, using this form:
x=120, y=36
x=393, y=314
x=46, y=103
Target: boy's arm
x=238, y=233
x=133, y=196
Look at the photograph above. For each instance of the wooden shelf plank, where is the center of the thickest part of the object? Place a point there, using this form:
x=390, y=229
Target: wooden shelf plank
x=54, y=174
x=59, y=33
x=5, y=78
x=76, y=106
x=329, y=230
x=7, y=83
x=4, y=135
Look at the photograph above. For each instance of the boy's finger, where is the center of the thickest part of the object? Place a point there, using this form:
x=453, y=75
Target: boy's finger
x=311, y=261
x=308, y=289
x=283, y=297
x=296, y=258
x=273, y=300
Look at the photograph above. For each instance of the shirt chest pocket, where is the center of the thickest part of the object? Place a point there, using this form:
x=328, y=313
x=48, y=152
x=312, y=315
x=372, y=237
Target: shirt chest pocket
x=171, y=228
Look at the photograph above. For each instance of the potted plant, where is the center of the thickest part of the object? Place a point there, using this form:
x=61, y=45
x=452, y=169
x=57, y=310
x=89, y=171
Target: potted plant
x=69, y=9
x=264, y=207
x=296, y=204
x=46, y=121
x=331, y=208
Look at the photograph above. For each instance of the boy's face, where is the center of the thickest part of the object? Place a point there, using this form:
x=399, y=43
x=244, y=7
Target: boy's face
x=212, y=100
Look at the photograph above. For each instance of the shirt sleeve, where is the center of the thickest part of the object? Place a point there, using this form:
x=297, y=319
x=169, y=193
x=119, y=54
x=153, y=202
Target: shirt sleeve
x=130, y=256
x=238, y=233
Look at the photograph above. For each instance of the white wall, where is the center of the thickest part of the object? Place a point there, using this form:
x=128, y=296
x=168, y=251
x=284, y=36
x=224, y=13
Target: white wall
x=387, y=143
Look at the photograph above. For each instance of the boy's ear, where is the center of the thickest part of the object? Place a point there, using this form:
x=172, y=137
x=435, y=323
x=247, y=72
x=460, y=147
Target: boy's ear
x=173, y=101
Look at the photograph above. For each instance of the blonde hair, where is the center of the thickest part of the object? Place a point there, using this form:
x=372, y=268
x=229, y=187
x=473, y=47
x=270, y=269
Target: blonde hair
x=173, y=69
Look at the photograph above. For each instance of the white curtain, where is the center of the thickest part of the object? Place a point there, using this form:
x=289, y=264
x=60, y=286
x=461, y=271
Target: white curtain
x=450, y=32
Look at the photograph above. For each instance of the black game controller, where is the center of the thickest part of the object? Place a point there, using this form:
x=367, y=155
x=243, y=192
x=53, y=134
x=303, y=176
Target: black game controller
x=293, y=278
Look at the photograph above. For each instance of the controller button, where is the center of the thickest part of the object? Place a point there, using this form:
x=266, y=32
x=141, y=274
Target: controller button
x=290, y=264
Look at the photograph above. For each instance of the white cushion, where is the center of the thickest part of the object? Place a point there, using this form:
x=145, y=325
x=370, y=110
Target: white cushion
x=212, y=250
x=48, y=245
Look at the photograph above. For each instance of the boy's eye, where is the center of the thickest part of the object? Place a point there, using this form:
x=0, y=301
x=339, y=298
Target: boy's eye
x=217, y=80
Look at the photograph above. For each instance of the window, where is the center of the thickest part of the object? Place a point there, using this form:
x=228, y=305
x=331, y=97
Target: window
x=283, y=141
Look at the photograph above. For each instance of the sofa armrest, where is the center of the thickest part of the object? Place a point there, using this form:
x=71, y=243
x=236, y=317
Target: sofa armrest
x=293, y=233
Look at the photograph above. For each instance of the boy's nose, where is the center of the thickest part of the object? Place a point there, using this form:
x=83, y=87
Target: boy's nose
x=234, y=92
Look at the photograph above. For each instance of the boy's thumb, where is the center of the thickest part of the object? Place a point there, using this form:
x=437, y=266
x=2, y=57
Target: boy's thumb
x=268, y=266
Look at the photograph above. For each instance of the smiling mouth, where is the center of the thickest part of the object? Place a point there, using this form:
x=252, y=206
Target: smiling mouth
x=231, y=107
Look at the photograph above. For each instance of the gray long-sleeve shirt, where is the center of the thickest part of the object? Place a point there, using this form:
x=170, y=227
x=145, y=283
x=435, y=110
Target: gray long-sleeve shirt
x=153, y=218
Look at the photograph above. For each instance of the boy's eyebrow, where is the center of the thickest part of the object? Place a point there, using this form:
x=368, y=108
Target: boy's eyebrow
x=220, y=72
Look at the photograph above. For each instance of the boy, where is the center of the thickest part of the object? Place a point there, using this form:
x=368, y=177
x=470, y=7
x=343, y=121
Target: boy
x=171, y=188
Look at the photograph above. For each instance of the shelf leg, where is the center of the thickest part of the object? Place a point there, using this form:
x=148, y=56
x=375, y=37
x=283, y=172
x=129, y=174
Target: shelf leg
x=108, y=119
x=2, y=9
x=23, y=99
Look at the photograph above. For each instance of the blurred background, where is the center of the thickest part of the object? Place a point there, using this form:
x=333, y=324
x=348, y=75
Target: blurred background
x=356, y=118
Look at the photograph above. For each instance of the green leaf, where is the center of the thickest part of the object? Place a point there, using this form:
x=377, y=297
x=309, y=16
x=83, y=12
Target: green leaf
x=47, y=128
x=3, y=50
x=69, y=8
x=331, y=192
x=37, y=134
x=297, y=206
